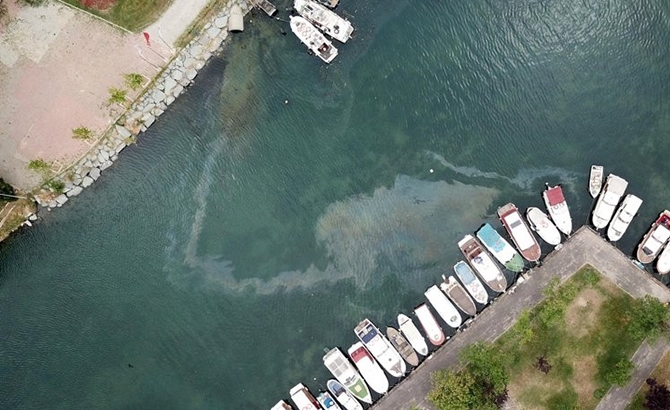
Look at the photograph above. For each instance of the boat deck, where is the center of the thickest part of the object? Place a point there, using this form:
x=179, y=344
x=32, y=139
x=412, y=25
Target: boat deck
x=266, y=6
x=582, y=248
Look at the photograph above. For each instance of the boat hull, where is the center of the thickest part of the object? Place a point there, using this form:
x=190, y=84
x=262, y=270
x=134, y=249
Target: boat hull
x=623, y=217
x=311, y=37
x=540, y=223
x=470, y=281
x=369, y=368
x=608, y=200
x=329, y=22
x=340, y=367
x=443, y=307
x=402, y=346
x=655, y=239
x=520, y=233
x=430, y=325
x=343, y=396
x=412, y=334
x=380, y=348
x=482, y=263
x=558, y=209
x=595, y=180
x=458, y=295
x=500, y=248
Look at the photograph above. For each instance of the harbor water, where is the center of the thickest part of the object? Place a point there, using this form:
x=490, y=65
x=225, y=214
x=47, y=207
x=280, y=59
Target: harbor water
x=280, y=201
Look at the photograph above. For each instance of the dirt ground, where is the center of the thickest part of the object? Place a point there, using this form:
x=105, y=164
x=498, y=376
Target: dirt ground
x=57, y=65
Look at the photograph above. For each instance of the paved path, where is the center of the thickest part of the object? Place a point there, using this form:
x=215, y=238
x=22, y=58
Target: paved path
x=175, y=20
x=645, y=359
x=584, y=247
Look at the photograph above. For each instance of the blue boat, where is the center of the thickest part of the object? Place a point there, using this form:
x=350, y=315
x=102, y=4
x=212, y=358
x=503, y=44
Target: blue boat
x=500, y=248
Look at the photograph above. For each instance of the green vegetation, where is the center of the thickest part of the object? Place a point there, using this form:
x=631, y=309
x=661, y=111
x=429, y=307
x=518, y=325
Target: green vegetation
x=34, y=2
x=132, y=15
x=564, y=354
x=6, y=189
x=39, y=165
x=55, y=185
x=134, y=80
x=117, y=96
x=645, y=398
x=648, y=319
x=82, y=133
x=481, y=384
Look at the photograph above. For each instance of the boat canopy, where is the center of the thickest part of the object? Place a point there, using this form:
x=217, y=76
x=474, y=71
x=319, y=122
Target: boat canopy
x=555, y=195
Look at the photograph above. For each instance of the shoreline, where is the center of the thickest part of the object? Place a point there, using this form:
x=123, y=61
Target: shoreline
x=170, y=81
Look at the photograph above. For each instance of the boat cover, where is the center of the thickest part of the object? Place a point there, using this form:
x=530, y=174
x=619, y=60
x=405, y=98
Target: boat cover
x=555, y=195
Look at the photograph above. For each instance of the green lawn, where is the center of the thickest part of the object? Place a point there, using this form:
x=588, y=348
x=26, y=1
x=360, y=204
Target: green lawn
x=581, y=329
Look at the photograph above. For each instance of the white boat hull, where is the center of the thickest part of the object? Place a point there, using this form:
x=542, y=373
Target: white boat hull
x=623, y=217
x=370, y=370
x=443, y=307
x=663, y=261
x=540, y=223
x=412, y=334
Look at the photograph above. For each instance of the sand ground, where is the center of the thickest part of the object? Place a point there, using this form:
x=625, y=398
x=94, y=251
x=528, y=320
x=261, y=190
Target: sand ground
x=57, y=65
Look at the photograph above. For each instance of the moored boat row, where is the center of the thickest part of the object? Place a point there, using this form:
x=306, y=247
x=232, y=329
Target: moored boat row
x=460, y=295
x=315, y=21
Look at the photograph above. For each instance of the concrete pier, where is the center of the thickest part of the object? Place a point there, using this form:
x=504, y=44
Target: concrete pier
x=584, y=247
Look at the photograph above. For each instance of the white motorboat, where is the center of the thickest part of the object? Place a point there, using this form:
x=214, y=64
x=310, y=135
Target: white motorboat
x=343, y=395
x=595, y=180
x=540, y=223
x=443, y=307
x=623, y=217
x=346, y=374
x=471, y=282
x=655, y=239
x=380, y=348
x=327, y=401
x=303, y=399
x=558, y=209
x=608, y=200
x=482, y=262
x=412, y=334
x=313, y=39
x=519, y=232
x=429, y=324
x=369, y=368
x=325, y=20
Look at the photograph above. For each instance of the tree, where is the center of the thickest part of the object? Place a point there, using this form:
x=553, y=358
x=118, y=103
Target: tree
x=134, y=80
x=647, y=318
x=487, y=365
x=658, y=396
x=6, y=189
x=454, y=391
x=117, y=96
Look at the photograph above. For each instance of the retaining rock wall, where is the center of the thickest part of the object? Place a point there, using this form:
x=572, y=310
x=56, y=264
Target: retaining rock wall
x=177, y=75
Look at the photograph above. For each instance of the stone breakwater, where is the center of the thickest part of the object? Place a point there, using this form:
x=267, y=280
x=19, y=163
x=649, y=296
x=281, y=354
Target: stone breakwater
x=179, y=73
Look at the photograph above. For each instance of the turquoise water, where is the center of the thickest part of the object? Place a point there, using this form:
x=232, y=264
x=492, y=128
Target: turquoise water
x=242, y=235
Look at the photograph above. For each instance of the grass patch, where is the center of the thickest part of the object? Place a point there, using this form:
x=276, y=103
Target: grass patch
x=581, y=330
x=133, y=15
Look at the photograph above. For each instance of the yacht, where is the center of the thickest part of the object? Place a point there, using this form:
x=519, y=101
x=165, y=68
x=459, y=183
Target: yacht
x=369, y=368
x=458, y=295
x=412, y=334
x=519, y=232
x=558, y=209
x=380, y=348
x=429, y=324
x=325, y=20
x=482, y=263
x=343, y=395
x=471, y=282
x=303, y=399
x=402, y=346
x=443, y=307
x=500, y=248
x=540, y=223
x=654, y=239
x=313, y=39
x=623, y=217
x=345, y=373
x=608, y=200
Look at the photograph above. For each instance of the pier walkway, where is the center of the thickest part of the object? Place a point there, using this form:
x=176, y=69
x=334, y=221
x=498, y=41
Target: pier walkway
x=584, y=247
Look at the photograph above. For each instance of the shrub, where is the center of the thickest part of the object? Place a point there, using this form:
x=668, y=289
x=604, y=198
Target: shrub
x=56, y=186
x=82, y=133
x=620, y=373
x=647, y=318
x=134, y=80
x=6, y=189
x=117, y=96
x=39, y=165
